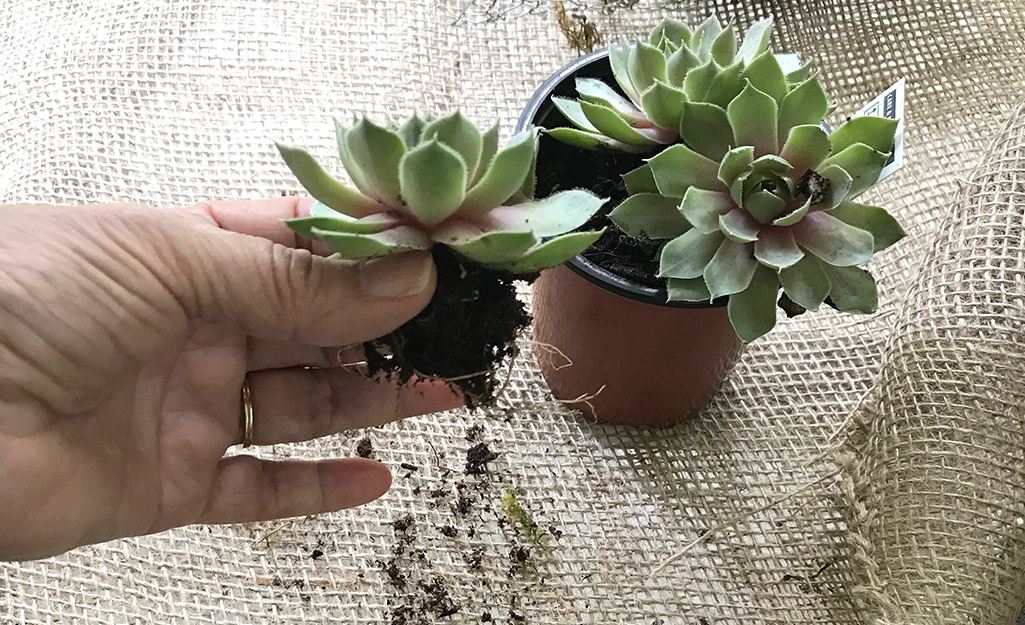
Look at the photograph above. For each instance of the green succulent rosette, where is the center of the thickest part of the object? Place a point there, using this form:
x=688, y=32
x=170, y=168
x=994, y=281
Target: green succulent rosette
x=441, y=181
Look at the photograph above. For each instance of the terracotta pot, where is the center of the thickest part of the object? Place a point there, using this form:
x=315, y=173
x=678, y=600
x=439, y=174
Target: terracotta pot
x=612, y=347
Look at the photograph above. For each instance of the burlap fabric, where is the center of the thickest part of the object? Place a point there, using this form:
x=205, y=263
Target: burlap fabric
x=852, y=470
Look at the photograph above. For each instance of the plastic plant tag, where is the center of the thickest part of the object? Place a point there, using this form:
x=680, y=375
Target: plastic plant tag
x=890, y=104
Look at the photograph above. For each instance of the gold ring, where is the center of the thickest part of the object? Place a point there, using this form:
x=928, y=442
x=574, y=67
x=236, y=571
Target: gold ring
x=247, y=414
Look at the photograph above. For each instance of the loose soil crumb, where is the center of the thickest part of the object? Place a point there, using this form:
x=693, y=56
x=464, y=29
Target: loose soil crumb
x=404, y=523
x=474, y=433
x=448, y=530
x=365, y=448
x=462, y=336
x=477, y=459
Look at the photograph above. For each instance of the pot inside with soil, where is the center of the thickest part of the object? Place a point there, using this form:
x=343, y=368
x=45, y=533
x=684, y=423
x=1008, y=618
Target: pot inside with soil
x=727, y=200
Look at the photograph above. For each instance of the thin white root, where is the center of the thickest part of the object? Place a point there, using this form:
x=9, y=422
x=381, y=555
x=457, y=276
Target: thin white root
x=551, y=349
x=731, y=522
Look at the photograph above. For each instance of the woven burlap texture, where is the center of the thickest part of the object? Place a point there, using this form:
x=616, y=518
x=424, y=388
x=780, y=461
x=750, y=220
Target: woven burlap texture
x=853, y=469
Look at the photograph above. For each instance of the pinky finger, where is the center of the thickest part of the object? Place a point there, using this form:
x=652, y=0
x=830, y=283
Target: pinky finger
x=247, y=489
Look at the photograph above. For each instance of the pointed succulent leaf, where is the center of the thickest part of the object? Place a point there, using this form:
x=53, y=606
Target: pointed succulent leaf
x=378, y=152
x=664, y=105
x=806, y=282
x=673, y=30
x=737, y=189
x=353, y=166
x=610, y=123
x=799, y=74
x=883, y=227
x=753, y=310
x=793, y=216
x=640, y=180
x=705, y=36
x=726, y=85
x=805, y=148
x=839, y=184
x=731, y=269
x=832, y=240
x=619, y=59
x=591, y=140
x=703, y=208
x=677, y=168
x=753, y=118
x=597, y=92
x=571, y=110
x=460, y=134
x=433, y=178
x=734, y=163
x=489, y=147
x=687, y=255
x=756, y=40
x=327, y=219
x=739, y=226
x=530, y=181
x=699, y=79
x=687, y=290
x=678, y=64
x=547, y=217
x=876, y=132
x=505, y=176
x=552, y=253
x=862, y=163
x=852, y=289
x=770, y=164
x=649, y=215
x=776, y=248
x=765, y=74
x=647, y=64
x=764, y=206
x=724, y=48
x=325, y=188
x=486, y=248
x=805, y=104
x=392, y=241
x=411, y=129
x=706, y=129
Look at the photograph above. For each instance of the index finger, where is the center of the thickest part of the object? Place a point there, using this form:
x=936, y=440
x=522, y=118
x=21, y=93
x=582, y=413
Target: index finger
x=262, y=218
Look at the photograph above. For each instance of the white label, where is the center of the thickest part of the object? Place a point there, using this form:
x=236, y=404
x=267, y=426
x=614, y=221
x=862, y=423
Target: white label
x=890, y=104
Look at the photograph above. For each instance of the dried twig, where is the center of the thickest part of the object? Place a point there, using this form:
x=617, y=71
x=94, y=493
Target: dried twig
x=581, y=35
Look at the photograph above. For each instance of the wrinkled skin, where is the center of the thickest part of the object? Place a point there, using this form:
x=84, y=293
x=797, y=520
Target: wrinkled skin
x=125, y=337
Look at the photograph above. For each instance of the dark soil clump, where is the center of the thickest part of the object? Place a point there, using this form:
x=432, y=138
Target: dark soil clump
x=464, y=333
x=561, y=167
x=365, y=448
x=477, y=459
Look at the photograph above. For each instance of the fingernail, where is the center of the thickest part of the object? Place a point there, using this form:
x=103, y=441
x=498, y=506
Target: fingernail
x=400, y=275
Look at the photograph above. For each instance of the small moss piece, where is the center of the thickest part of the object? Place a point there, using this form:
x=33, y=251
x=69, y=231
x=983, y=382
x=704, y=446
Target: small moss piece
x=520, y=518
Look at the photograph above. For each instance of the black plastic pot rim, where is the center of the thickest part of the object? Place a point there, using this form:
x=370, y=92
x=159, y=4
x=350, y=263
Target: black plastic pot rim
x=580, y=265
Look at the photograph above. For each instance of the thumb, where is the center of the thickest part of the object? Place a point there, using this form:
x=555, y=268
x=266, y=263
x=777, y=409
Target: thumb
x=272, y=291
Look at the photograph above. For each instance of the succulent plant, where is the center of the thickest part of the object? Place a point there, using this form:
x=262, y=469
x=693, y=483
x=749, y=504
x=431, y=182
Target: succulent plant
x=441, y=181
x=754, y=194
x=673, y=83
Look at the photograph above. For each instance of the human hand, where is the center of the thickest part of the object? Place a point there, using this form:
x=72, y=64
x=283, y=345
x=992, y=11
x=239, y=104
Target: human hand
x=125, y=336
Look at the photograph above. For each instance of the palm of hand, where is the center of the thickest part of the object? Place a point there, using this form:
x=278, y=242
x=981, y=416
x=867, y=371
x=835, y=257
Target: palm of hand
x=121, y=362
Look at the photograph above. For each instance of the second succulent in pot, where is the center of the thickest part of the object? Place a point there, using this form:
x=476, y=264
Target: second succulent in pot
x=753, y=195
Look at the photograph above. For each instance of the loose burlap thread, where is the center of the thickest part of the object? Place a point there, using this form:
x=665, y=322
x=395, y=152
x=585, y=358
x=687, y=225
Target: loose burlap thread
x=167, y=102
